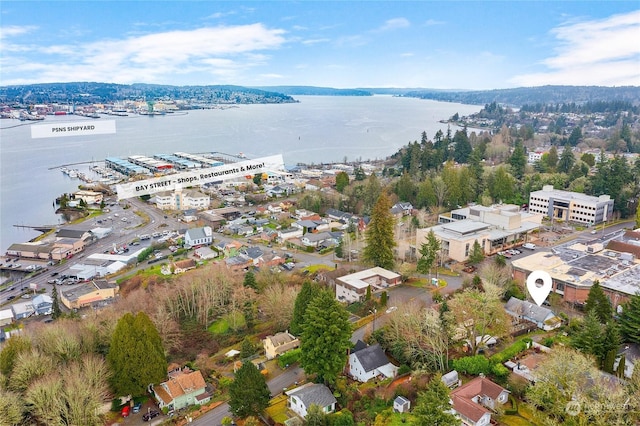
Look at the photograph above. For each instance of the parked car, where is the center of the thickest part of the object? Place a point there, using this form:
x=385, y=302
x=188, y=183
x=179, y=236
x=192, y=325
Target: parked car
x=137, y=407
x=125, y=411
x=150, y=415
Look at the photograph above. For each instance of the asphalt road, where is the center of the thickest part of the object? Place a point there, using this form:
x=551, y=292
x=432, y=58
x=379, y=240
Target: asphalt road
x=276, y=385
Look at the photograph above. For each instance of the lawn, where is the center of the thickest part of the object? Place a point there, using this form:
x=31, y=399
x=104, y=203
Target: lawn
x=277, y=409
x=232, y=321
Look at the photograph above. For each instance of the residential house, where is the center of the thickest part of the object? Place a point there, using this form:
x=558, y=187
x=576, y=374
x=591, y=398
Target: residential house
x=42, y=304
x=239, y=262
x=401, y=404
x=198, y=237
x=303, y=397
x=473, y=401
x=6, y=317
x=369, y=362
x=270, y=260
x=289, y=233
x=310, y=226
x=229, y=248
x=353, y=287
x=279, y=343
x=543, y=317
x=184, y=388
x=339, y=216
x=22, y=310
x=205, y=253
x=183, y=266
x=253, y=253
x=402, y=209
x=321, y=239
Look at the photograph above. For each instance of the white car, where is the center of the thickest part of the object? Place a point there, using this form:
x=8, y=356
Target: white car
x=392, y=309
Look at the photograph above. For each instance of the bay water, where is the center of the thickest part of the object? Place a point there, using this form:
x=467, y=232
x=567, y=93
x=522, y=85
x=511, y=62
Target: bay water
x=318, y=129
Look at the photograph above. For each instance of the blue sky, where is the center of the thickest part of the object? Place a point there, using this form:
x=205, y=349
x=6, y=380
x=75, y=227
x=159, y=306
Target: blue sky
x=342, y=44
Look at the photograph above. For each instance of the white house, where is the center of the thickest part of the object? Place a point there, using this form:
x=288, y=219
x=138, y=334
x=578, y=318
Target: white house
x=22, y=310
x=303, y=397
x=198, y=237
x=6, y=317
x=368, y=362
x=353, y=287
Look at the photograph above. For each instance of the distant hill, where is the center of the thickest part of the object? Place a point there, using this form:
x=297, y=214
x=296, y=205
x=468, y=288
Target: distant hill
x=534, y=95
x=315, y=91
x=88, y=92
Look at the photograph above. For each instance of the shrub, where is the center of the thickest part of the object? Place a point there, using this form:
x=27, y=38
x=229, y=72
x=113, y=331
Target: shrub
x=510, y=352
x=289, y=358
x=404, y=369
x=473, y=365
x=514, y=407
x=500, y=372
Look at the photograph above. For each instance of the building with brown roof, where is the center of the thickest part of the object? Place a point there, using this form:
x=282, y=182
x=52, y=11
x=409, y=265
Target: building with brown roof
x=473, y=401
x=184, y=388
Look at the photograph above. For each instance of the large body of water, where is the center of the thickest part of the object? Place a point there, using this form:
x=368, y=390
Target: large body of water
x=317, y=130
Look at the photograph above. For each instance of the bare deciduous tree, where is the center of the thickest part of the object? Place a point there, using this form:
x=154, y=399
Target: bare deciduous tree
x=277, y=302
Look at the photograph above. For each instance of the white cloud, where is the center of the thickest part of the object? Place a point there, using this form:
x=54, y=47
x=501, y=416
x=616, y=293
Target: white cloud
x=154, y=57
x=15, y=30
x=433, y=22
x=598, y=52
x=394, y=24
x=315, y=41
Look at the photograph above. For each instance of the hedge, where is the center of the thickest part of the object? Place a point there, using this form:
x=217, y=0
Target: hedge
x=289, y=358
x=511, y=351
x=472, y=365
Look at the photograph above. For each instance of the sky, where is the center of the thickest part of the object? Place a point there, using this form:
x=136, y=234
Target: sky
x=343, y=44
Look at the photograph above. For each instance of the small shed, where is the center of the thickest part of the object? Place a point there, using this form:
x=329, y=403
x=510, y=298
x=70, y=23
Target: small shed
x=451, y=379
x=401, y=404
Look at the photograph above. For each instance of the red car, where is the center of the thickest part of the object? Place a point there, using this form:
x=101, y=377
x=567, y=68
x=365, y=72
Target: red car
x=125, y=411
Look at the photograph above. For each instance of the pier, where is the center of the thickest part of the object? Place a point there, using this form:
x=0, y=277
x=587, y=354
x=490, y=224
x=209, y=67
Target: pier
x=41, y=228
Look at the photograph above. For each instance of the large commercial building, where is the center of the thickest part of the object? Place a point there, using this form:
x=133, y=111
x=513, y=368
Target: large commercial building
x=574, y=269
x=495, y=228
x=571, y=206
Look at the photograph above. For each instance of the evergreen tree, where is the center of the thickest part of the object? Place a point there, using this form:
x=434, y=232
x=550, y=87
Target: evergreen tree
x=342, y=181
x=552, y=157
x=567, y=160
x=325, y=339
x=477, y=254
x=247, y=349
x=339, y=250
x=428, y=253
x=383, y=298
x=307, y=293
x=638, y=216
x=588, y=339
x=379, y=235
x=598, y=302
x=518, y=160
x=432, y=407
x=621, y=366
x=463, y=149
x=250, y=280
x=55, y=307
x=248, y=393
x=136, y=356
x=359, y=173
x=630, y=319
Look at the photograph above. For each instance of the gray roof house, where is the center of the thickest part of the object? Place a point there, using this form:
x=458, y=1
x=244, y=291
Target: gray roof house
x=22, y=309
x=198, y=236
x=543, y=317
x=43, y=304
x=303, y=397
x=370, y=362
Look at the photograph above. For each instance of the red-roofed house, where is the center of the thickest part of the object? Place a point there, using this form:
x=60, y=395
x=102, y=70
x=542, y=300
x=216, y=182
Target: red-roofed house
x=184, y=388
x=472, y=401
